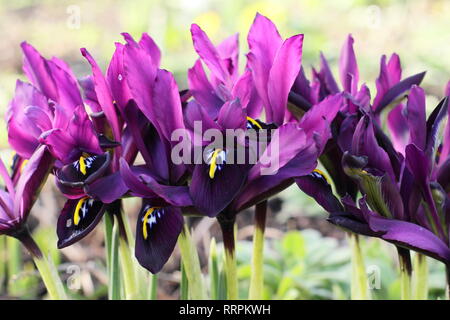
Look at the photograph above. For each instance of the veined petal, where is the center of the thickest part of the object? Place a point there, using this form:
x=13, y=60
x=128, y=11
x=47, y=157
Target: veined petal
x=208, y=53
x=284, y=70
x=157, y=231
x=202, y=90
x=398, y=128
x=107, y=189
x=31, y=180
x=232, y=115
x=104, y=95
x=166, y=111
x=316, y=186
x=348, y=66
x=37, y=70
x=77, y=219
x=416, y=116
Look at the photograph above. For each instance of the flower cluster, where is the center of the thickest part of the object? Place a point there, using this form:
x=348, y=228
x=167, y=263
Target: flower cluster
x=113, y=135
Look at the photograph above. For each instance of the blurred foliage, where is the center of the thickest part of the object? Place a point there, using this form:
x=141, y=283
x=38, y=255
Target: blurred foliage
x=306, y=265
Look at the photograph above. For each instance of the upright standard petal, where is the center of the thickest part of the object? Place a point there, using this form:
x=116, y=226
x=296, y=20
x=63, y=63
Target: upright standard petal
x=348, y=67
x=208, y=53
x=285, y=68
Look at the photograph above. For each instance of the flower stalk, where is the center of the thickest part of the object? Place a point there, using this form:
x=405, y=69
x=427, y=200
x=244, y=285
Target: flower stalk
x=191, y=262
x=420, y=279
x=227, y=225
x=359, y=278
x=44, y=265
x=257, y=276
x=405, y=273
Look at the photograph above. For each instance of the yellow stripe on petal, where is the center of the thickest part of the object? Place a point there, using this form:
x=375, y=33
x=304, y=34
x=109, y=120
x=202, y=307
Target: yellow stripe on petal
x=254, y=122
x=24, y=163
x=76, y=214
x=322, y=174
x=82, y=165
x=213, y=164
x=147, y=215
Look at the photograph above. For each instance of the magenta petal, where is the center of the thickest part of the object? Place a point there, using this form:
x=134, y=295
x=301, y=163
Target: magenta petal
x=202, y=90
x=232, y=116
x=149, y=45
x=208, y=53
x=103, y=95
x=264, y=42
x=82, y=131
x=348, y=66
x=37, y=70
x=398, y=128
x=31, y=180
x=416, y=116
x=116, y=78
x=167, y=113
x=286, y=143
x=68, y=92
x=285, y=69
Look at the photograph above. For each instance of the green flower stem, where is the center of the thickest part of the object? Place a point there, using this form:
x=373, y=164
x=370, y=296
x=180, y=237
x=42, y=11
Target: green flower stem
x=191, y=262
x=184, y=284
x=14, y=261
x=257, y=276
x=128, y=270
x=359, y=277
x=227, y=225
x=125, y=255
x=112, y=254
x=447, y=289
x=420, y=279
x=213, y=266
x=153, y=287
x=405, y=273
x=46, y=268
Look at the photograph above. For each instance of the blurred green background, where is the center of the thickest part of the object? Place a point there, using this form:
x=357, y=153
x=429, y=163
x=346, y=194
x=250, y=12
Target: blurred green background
x=416, y=29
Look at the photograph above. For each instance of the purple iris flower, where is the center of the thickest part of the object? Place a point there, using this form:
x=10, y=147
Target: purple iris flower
x=160, y=182
x=93, y=182
x=18, y=198
x=404, y=184
x=221, y=184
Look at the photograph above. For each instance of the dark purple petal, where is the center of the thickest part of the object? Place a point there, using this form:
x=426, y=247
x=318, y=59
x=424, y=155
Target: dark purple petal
x=78, y=219
x=316, y=186
x=211, y=195
x=107, y=189
x=31, y=180
x=398, y=89
x=157, y=231
x=264, y=186
x=398, y=128
x=116, y=78
x=411, y=236
x=390, y=74
x=166, y=112
x=416, y=116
